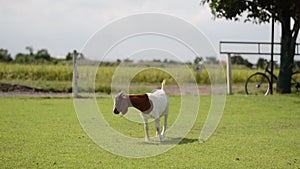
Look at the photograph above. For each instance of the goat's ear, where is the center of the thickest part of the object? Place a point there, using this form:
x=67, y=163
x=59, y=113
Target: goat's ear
x=120, y=94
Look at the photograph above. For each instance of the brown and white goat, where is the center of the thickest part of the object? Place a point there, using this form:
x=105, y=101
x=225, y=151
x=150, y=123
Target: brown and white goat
x=152, y=105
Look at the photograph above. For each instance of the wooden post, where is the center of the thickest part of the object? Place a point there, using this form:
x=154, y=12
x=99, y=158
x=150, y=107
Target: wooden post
x=75, y=74
x=229, y=84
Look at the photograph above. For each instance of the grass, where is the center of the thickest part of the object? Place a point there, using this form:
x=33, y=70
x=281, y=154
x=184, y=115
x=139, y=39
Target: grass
x=255, y=132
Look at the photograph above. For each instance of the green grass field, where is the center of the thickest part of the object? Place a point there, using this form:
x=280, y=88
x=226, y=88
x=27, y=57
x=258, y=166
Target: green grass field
x=255, y=132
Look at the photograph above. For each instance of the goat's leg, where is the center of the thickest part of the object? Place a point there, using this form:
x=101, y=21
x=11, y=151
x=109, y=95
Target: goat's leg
x=166, y=112
x=165, y=125
x=157, y=124
x=146, y=126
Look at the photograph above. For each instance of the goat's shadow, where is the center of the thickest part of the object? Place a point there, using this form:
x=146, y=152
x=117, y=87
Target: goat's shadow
x=188, y=140
x=169, y=141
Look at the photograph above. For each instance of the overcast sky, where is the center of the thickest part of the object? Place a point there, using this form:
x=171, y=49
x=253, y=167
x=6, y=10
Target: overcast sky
x=64, y=25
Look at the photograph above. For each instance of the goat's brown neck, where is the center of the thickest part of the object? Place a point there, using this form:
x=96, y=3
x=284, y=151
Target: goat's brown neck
x=141, y=102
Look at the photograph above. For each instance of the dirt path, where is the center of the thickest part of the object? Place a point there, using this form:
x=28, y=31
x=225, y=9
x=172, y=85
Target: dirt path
x=12, y=90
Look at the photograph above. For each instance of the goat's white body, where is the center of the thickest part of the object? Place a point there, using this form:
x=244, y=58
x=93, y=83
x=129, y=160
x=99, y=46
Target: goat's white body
x=159, y=102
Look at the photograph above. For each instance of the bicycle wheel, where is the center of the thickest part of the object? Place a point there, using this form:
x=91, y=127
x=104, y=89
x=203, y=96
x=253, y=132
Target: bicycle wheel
x=257, y=84
x=295, y=82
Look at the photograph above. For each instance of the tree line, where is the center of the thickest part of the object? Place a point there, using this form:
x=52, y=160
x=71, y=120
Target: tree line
x=261, y=63
x=41, y=56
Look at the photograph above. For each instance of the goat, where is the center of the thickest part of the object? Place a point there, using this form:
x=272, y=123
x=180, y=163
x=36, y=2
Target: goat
x=152, y=105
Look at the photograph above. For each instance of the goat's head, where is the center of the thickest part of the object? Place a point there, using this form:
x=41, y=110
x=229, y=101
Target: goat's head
x=121, y=104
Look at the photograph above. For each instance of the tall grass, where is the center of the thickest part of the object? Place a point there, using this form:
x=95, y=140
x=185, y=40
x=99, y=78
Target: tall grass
x=46, y=75
x=36, y=72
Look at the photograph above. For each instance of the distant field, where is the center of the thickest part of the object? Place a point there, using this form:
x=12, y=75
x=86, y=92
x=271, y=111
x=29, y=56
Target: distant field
x=255, y=132
x=59, y=77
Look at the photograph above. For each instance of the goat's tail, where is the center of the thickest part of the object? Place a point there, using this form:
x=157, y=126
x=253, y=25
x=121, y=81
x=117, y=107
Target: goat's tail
x=163, y=84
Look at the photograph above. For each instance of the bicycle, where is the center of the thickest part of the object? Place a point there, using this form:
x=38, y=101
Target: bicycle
x=259, y=82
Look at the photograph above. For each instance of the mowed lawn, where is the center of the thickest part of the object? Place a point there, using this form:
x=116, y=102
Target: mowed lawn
x=255, y=132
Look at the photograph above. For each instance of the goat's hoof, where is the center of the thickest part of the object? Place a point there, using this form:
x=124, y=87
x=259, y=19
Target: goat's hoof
x=161, y=137
x=147, y=139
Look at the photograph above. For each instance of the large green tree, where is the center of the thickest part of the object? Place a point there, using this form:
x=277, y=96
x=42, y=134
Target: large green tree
x=286, y=12
x=5, y=56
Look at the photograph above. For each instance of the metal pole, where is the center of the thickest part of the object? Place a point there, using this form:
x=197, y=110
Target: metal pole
x=272, y=53
x=229, y=85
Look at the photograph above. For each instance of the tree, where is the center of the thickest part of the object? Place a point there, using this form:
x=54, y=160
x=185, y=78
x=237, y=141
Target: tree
x=156, y=60
x=5, y=56
x=81, y=56
x=198, y=60
x=30, y=49
x=127, y=60
x=42, y=55
x=211, y=60
x=24, y=58
x=69, y=56
x=261, y=63
x=239, y=60
x=287, y=12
